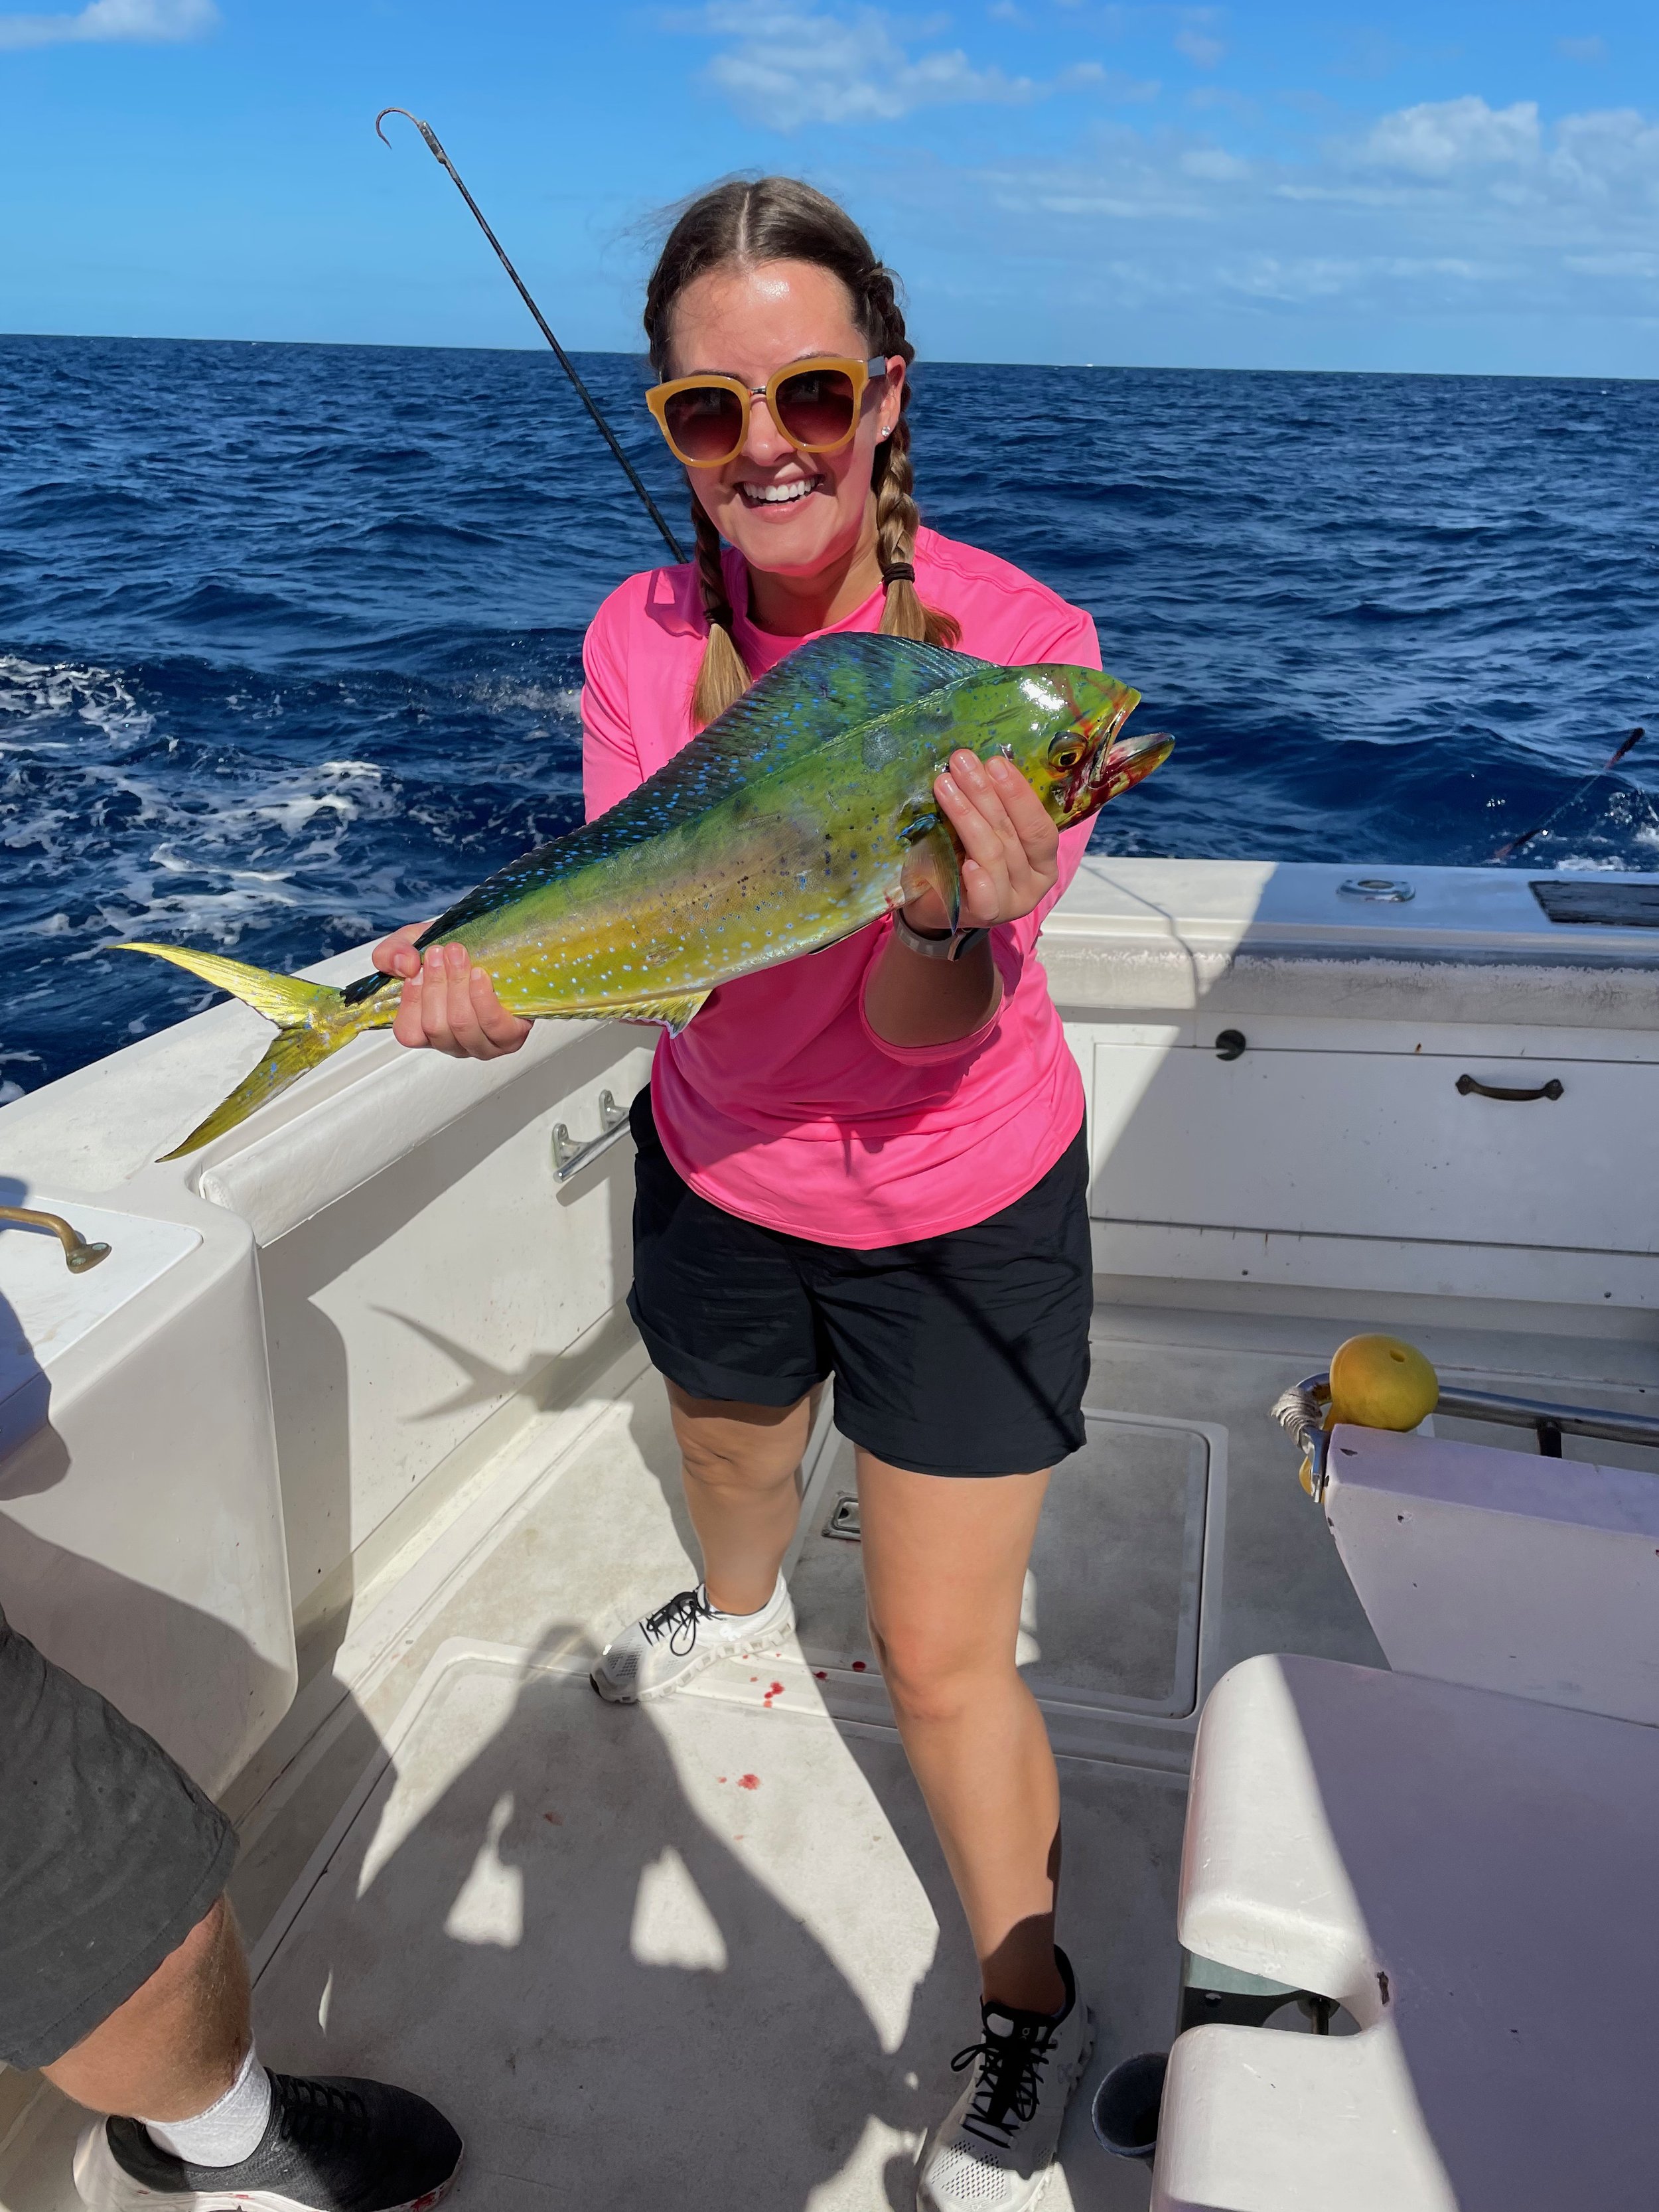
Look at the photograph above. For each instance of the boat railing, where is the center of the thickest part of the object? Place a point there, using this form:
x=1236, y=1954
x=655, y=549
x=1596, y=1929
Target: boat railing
x=1301, y=1410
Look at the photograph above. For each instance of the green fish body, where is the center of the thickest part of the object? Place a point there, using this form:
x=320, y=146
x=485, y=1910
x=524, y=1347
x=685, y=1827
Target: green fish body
x=800, y=816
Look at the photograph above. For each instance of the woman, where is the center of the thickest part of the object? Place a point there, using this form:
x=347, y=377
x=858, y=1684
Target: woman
x=868, y=1162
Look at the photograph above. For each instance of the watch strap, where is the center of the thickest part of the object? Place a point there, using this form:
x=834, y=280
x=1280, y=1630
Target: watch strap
x=935, y=948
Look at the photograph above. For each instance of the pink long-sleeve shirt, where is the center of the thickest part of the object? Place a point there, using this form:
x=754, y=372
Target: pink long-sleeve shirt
x=780, y=1103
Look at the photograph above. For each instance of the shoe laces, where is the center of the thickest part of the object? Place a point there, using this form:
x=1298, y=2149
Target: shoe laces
x=1011, y=2077
x=318, y=2115
x=677, y=1620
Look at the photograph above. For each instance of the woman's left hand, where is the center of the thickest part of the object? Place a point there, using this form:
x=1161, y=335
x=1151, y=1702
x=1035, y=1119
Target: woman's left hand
x=1011, y=846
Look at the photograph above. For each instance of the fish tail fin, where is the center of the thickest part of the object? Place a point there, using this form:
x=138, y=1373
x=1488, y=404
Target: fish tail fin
x=290, y=1055
x=313, y=1021
x=285, y=999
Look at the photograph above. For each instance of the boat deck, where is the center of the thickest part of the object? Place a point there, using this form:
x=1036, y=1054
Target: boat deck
x=710, y=1944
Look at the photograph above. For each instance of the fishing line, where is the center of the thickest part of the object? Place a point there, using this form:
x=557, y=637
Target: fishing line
x=435, y=146
x=1626, y=744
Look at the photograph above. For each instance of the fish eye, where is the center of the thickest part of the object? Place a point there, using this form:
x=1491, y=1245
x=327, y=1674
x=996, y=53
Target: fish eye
x=1064, y=753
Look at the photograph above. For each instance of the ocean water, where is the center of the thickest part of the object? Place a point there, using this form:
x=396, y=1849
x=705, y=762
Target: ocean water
x=289, y=635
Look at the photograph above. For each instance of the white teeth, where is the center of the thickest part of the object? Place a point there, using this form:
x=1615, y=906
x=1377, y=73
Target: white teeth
x=779, y=495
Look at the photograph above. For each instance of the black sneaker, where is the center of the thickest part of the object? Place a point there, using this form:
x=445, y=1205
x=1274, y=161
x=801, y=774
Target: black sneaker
x=329, y=2145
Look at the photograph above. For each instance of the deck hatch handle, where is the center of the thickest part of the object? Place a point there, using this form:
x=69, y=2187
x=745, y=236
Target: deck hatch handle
x=843, y=1519
x=1471, y=1085
x=78, y=1254
x=570, y=1153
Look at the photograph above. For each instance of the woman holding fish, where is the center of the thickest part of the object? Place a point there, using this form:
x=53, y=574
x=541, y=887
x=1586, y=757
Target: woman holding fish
x=869, y=1161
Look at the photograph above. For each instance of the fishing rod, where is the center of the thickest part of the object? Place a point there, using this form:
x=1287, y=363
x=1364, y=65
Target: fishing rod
x=435, y=146
x=1507, y=852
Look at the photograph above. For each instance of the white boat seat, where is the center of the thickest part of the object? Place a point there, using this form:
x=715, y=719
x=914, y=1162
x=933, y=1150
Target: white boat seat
x=1472, y=1876
x=1502, y=1569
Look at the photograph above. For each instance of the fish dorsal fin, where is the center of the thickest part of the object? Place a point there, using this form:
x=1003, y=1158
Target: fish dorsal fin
x=837, y=682
x=818, y=691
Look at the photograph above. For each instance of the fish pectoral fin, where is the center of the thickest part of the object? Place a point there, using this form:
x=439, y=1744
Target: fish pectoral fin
x=935, y=862
x=673, y=1014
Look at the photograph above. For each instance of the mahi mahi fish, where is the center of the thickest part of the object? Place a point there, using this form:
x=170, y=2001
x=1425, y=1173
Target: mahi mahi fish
x=800, y=816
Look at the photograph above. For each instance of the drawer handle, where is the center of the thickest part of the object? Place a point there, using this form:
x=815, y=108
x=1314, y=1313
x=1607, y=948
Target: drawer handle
x=1466, y=1083
x=78, y=1254
x=569, y=1154
x=1231, y=1044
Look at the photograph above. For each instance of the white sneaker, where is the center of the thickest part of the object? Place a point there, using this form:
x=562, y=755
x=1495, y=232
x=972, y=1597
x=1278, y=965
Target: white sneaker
x=994, y=2149
x=665, y=1650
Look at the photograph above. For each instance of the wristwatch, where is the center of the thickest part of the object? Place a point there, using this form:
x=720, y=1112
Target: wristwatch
x=951, y=946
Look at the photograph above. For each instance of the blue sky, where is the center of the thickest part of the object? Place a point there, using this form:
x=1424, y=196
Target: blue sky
x=1410, y=186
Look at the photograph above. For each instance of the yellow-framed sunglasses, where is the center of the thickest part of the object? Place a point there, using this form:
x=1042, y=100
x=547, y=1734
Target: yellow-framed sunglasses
x=815, y=404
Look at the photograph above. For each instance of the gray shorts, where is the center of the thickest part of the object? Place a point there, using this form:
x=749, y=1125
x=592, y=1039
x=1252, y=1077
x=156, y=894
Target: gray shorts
x=109, y=1856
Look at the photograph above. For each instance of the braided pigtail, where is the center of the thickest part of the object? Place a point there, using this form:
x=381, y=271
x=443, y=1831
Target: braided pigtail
x=893, y=479
x=723, y=675
x=902, y=613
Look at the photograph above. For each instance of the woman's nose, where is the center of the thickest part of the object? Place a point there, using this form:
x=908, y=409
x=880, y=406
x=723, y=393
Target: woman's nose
x=765, y=443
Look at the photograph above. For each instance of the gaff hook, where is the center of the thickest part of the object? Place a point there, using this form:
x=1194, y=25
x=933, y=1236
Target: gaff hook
x=434, y=146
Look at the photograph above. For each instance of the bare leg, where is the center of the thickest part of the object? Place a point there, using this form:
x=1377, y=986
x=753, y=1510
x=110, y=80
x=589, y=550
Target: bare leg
x=172, y=2049
x=945, y=1569
x=740, y=1463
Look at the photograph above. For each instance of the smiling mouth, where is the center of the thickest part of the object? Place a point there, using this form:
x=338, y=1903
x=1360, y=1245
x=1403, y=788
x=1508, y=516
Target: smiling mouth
x=780, y=495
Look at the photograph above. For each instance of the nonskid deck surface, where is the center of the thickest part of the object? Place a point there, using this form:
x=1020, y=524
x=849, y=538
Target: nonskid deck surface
x=706, y=1948
x=710, y=1945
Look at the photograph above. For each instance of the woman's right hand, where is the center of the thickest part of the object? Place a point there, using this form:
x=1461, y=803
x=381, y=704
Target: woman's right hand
x=447, y=1005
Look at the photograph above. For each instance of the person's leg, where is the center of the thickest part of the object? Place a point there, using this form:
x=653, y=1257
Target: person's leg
x=945, y=1565
x=740, y=1464
x=174, y=2047
x=123, y=1979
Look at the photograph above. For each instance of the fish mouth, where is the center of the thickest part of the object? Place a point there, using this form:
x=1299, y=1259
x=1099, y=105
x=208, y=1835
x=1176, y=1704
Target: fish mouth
x=1115, y=765
x=789, y=492
x=1130, y=761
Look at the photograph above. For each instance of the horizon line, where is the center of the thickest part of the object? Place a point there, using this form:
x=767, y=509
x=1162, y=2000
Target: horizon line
x=613, y=353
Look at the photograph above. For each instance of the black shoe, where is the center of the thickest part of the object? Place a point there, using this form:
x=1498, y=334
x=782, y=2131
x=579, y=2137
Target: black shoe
x=330, y=2145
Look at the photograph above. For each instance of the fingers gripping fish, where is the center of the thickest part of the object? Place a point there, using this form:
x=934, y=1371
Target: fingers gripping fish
x=798, y=818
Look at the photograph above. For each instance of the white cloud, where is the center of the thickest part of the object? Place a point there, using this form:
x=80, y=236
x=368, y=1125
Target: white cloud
x=1113, y=82
x=1421, y=217
x=1582, y=50
x=141, y=20
x=1199, y=47
x=1608, y=154
x=786, y=66
x=1215, y=163
x=1440, y=135
x=1431, y=215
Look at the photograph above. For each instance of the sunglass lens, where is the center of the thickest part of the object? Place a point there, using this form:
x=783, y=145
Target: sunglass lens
x=816, y=407
x=705, y=422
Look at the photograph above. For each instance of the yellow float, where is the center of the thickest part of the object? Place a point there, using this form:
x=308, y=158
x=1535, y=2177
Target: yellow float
x=1380, y=1382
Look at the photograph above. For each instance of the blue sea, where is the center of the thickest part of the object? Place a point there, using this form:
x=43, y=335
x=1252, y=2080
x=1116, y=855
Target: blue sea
x=289, y=635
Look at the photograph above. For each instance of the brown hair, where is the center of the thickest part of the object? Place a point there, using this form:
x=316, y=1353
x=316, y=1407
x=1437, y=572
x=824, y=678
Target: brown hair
x=778, y=219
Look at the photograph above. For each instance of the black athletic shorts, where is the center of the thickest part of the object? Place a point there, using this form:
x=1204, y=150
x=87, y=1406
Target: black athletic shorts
x=961, y=1354
x=109, y=1856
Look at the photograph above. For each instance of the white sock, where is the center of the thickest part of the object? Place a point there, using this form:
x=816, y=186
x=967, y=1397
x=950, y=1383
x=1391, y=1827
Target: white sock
x=229, y=2130
x=756, y=1615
